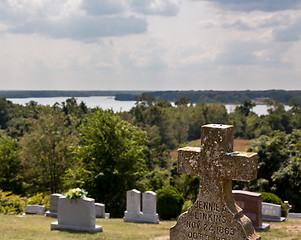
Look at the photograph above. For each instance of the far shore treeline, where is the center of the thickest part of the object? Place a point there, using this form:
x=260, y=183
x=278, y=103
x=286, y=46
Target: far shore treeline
x=207, y=96
x=48, y=149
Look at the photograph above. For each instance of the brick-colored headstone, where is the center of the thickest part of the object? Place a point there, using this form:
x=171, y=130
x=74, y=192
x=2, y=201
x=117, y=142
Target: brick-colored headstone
x=214, y=215
x=251, y=204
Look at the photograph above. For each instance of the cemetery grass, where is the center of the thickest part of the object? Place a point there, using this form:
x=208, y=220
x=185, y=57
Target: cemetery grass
x=38, y=227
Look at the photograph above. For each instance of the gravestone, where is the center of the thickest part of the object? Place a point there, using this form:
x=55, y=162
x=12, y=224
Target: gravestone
x=149, y=207
x=288, y=207
x=35, y=209
x=100, y=211
x=54, y=205
x=76, y=215
x=271, y=212
x=132, y=213
x=251, y=204
x=214, y=215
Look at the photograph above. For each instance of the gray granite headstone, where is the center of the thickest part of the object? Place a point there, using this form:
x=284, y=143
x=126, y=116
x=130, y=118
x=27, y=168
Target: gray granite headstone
x=271, y=212
x=54, y=205
x=76, y=215
x=214, y=215
x=35, y=209
x=100, y=211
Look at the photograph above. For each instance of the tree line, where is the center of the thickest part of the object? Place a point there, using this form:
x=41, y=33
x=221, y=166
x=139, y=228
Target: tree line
x=53, y=148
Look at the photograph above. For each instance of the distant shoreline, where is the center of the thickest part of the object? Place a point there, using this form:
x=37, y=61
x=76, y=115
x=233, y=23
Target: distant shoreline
x=206, y=96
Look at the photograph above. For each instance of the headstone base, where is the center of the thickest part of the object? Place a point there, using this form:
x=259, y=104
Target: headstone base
x=57, y=226
x=51, y=214
x=263, y=227
x=140, y=217
x=294, y=215
x=272, y=219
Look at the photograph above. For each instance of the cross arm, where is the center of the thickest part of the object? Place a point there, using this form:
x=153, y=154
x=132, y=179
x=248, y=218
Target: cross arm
x=188, y=160
x=240, y=166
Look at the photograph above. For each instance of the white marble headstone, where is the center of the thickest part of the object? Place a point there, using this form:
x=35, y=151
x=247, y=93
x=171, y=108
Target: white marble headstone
x=149, y=207
x=132, y=213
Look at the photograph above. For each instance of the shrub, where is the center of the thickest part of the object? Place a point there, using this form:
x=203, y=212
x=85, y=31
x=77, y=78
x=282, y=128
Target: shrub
x=39, y=199
x=11, y=204
x=169, y=203
x=186, y=205
x=272, y=198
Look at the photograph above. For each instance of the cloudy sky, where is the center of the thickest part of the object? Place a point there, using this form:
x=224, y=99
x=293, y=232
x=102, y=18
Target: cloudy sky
x=150, y=44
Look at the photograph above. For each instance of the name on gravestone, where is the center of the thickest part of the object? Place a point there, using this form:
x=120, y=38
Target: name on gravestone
x=214, y=215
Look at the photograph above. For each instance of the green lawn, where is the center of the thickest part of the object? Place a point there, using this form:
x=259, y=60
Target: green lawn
x=38, y=227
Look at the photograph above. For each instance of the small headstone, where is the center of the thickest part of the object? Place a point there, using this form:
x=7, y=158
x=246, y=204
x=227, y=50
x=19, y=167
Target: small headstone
x=35, y=209
x=100, y=211
x=214, y=215
x=271, y=212
x=294, y=215
x=288, y=207
x=76, y=215
x=250, y=203
x=132, y=213
x=54, y=205
x=149, y=207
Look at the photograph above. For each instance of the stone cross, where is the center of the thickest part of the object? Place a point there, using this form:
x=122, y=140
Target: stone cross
x=215, y=215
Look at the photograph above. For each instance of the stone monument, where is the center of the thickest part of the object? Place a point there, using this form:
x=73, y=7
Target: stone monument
x=271, y=212
x=288, y=207
x=149, y=207
x=214, y=215
x=35, y=209
x=54, y=205
x=251, y=204
x=133, y=202
x=76, y=215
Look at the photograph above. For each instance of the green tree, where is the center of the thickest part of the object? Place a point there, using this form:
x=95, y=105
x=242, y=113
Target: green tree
x=45, y=152
x=10, y=168
x=111, y=159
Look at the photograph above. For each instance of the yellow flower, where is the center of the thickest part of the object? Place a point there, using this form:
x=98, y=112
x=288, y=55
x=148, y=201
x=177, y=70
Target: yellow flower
x=76, y=194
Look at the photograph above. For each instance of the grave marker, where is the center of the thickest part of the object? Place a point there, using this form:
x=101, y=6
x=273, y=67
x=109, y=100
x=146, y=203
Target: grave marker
x=35, y=209
x=251, y=204
x=149, y=207
x=271, y=212
x=215, y=215
x=132, y=213
x=76, y=215
x=54, y=205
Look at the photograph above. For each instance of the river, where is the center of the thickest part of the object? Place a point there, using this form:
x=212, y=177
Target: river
x=109, y=102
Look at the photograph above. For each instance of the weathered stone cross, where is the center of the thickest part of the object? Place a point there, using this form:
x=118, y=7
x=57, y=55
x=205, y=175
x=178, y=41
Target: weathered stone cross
x=215, y=215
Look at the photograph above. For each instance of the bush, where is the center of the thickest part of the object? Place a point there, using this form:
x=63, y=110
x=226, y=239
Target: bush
x=39, y=199
x=11, y=204
x=272, y=198
x=169, y=203
x=186, y=205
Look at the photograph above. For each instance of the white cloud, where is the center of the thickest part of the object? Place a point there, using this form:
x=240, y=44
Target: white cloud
x=256, y=5
x=103, y=7
x=156, y=7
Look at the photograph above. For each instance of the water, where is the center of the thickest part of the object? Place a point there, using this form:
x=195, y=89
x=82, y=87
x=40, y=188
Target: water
x=105, y=102
x=109, y=102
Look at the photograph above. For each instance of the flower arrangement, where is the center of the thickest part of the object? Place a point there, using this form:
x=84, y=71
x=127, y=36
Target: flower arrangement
x=76, y=193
